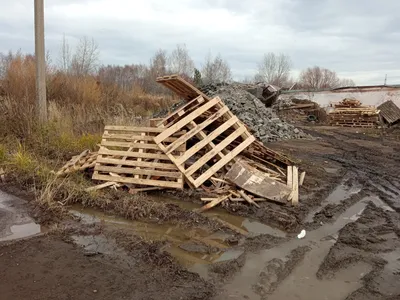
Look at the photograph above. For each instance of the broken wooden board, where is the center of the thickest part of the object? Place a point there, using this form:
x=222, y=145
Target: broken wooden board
x=2, y=175
x=257, y=182
x=213, y=203
x=102, y=186
x=129, y=155
x=213, y=157
x=83, y=161
x=181, y=87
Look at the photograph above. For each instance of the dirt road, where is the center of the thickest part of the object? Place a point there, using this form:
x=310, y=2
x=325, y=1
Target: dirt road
x=350, y=206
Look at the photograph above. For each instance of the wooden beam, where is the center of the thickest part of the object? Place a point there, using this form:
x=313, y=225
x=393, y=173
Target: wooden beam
x=302, y=176
x=295, y=199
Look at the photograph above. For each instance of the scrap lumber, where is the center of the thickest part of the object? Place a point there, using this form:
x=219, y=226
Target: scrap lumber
x=302, y=176
x=247, y=198
x=295, y=181
x=351, y=113
x=181, y=87
x=130, y=154
x=195, y=121
x=83, y=161
x=256, y=182
x=389, y=112
x=102, y=186
x=213, y=203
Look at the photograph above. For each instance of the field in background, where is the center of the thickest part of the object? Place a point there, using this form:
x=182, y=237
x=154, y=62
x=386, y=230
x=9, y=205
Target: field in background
x=78, y=109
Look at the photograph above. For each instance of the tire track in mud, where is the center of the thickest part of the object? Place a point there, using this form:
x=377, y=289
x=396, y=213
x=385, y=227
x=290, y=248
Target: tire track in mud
x=289, y=271
x=377, y=166
x=284, y=271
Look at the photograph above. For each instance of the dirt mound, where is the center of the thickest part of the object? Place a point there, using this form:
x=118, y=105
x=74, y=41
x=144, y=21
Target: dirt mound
x=263, y=121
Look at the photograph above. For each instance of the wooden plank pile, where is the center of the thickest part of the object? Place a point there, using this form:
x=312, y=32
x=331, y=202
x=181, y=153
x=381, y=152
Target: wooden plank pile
x=351, y=113
x=201, y=145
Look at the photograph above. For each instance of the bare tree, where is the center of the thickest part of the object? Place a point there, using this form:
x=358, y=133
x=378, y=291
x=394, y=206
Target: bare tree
x=86, y=57
x=5, y=60
x=346, y=82
x=274, y=69
x=158, y=63
x=322, y=78
x=179, y=62
x=215, y=70
x=64, y=61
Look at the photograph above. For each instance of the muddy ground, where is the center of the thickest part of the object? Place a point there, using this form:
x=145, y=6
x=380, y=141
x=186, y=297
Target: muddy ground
x=349, y=209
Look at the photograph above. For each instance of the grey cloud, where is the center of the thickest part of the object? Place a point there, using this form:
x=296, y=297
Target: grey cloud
x=350, y=37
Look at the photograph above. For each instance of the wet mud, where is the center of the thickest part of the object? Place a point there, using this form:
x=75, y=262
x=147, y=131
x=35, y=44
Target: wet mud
x=349, y=209
x=15, y=221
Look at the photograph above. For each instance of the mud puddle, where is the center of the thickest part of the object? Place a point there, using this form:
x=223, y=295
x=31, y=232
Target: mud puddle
x=176, y=237
x=252, y=227
x=286, y=277
x=15, y=222
x=340, y=193
x=191, y=247
x=387, y=282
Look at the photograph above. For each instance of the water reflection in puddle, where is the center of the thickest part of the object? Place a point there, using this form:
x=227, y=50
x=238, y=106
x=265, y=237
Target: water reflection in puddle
x=178, y=238
x=14, y=220
x=339, y=194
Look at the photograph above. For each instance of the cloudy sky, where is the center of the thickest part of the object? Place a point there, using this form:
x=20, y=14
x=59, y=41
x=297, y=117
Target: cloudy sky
x=359, y=39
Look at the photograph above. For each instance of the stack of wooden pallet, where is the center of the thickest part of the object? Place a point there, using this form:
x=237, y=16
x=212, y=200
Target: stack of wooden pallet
x=201, y=145
x=351, y=113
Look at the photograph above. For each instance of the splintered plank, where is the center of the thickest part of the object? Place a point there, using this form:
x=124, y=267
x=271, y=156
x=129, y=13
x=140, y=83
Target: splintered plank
x=257, y=182
x=212, y=157
x=129, y=155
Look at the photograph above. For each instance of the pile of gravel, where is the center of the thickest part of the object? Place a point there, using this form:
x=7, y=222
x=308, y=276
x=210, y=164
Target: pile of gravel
x=264, y=122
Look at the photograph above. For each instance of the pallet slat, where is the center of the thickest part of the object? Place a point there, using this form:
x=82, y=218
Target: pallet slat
x=217, y=155
x=130, y=155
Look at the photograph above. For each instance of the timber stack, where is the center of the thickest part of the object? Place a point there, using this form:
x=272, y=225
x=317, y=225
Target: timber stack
x=201, y=145
x=351, y=113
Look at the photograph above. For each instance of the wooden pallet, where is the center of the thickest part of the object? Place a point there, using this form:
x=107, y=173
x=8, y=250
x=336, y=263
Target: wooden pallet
x=80, y=162
x=204, y=115
x=178, y=114
x=181, y=87
x=129, y=155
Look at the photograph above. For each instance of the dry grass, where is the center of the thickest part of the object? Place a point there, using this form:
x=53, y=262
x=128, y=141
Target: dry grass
x=78, y=110
x=3, y=153
x=76, y=105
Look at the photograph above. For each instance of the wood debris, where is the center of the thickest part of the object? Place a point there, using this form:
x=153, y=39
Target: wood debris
x=83, y=161
x=351, y=113
x=201, y=145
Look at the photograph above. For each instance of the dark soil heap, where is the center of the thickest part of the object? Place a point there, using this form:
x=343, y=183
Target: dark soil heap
x=263, y=121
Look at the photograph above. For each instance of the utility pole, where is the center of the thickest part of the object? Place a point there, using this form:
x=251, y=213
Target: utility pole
x=385, y=79
x=40, y=62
